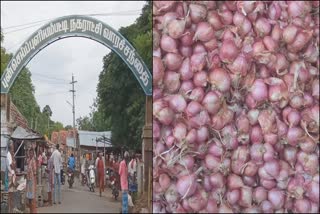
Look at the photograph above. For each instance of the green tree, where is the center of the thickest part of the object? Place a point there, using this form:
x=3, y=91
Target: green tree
x=48, y=113
x=68, y=127
x=22, y=95
x=85, y=123
x=121, y=101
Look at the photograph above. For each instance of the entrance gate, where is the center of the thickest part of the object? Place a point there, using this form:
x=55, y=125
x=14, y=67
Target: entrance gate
x=91, y=28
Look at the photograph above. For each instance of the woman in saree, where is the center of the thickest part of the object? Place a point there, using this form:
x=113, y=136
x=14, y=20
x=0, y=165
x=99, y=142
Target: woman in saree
x=31, y=181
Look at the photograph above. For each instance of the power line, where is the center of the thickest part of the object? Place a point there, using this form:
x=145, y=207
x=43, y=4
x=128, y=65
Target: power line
x=26, y=24
x=20, y=29
x=53, y=83
x=54, y=93
x=49, y=77
x=35, y=23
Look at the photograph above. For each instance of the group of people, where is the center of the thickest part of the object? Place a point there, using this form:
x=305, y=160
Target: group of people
x=53, y=162
x=126, y=170
x=53, y=170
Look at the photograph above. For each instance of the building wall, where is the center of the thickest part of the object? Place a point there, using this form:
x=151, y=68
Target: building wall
x=10, y=118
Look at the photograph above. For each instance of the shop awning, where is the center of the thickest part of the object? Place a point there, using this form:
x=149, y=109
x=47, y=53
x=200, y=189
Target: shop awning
x=25, y=134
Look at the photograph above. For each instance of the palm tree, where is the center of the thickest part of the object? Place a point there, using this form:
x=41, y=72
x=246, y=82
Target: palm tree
x=47, y=111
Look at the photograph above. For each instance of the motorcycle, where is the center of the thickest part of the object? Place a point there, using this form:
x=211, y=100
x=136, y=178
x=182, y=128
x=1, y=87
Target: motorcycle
x=108, y=175
x=114, y=185
x=62, y=177
x=84, y=180
x=70, y=177
x=92, y=178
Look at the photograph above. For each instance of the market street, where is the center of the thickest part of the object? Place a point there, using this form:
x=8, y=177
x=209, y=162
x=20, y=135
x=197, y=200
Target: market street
x=80, y=200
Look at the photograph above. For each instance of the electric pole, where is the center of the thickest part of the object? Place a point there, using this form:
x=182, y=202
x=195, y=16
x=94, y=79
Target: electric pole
x=74, y=119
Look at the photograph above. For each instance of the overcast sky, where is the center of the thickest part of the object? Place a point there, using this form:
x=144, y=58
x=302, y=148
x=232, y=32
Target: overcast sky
x=80, y=56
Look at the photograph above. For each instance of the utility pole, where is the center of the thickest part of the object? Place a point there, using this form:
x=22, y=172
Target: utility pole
x=104, y=146
x=74, y=119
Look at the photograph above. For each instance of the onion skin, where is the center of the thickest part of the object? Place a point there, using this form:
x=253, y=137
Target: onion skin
x=158, y=71
x=228, y=51
x=236, y=106
x=260, y=194
x=220, y=79
x=276, y=197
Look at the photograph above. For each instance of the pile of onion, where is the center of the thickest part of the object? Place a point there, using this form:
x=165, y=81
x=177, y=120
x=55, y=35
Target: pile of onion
x=236, y=106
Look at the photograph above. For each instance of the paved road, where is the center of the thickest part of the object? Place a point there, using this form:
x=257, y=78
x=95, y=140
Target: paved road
x=80, y=200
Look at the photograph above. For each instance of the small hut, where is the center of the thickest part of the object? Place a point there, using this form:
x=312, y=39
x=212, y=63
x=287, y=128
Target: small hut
x=23, y=139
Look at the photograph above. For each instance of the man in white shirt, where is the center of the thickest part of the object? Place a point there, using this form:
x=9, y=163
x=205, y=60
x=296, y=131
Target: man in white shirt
x=83, y=168
x=132, y=166
x=10, y=168
x=57, y=163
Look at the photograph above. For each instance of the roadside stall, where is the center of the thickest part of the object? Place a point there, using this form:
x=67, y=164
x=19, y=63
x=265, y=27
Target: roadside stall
x=23, y=139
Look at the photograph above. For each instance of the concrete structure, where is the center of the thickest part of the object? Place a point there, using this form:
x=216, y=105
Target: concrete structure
x=10, y=119
x=89, y=144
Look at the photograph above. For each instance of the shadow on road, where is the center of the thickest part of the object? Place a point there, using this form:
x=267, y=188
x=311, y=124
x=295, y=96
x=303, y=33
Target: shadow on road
x=80, y=200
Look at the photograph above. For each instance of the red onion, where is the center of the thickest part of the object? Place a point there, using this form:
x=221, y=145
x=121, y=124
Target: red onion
x=267, y=207
x=213, y=18
x=220, y=79
x=298, y=8
x=228, y=51
x=164, y=181
x=198, y=61
x=158, y=70
x=186, y=86
x=212, y=162
x=302, y=206
x=185, y=69
x=259, y=90
x=276, y=197
x=172, y=61
x=171, y=81
x=259, y=194
x=236, y=106
x=233, y=196
x=234, y=181
x=200, y=79
x=177, y=103
x=168, y=44
x=202, y=134
x=245, y=197
x=164, y=5
x=185, y=51
x=186, y=185
x=197, y=94
x=204, y=32
x=176, y=28
x=198, y=201
x=225, y=17
x=274, y=11
x=165, y=116
x=211, y=102
x=197, y=12
x=262, y=27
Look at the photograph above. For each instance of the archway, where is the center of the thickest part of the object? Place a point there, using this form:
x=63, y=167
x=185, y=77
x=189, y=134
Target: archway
x=91, y=28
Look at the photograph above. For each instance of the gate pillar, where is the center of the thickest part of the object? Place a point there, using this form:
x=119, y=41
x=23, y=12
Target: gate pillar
x=147, y=145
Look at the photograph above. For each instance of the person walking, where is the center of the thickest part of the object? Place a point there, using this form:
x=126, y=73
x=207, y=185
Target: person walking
x=10, y=173
x=83, y=169
x=132, y=178
x=31, y=187
x=123, y=172
x=100, y=166
x=57, y=163
x=49, y=170
x=71, y=162
x=10, y=165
